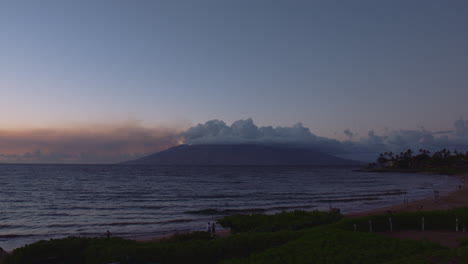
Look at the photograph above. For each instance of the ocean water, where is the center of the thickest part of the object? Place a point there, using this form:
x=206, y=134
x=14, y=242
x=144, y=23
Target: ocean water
x=52, y=201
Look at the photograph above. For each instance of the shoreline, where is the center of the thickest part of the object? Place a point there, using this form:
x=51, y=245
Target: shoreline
x=454, y=199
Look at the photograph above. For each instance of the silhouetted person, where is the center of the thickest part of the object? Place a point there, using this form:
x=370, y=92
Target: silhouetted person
x=213, y=229
x=208, y=227
x=107, y=234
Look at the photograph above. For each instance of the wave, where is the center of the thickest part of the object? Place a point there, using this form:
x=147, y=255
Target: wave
x=348, y=200
x=178, y=221
x=147, y=206
x=216, y=196
x=2, y=226
x=16, y=236
x=53, y=214
x=291, y=207
x=143, y=223
x=127, y=223
x=213, y=211
x=389, y=193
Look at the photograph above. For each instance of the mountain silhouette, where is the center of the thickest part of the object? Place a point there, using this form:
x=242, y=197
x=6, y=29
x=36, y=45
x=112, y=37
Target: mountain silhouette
x=240, y=154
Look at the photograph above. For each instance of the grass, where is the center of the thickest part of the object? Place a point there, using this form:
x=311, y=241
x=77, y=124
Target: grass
x=339, y=246
x=294, y=220
x=433, y=220
x=287, y=237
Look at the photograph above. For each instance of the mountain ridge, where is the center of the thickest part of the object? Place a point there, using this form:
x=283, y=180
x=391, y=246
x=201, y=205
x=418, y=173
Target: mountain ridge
x=240, y=154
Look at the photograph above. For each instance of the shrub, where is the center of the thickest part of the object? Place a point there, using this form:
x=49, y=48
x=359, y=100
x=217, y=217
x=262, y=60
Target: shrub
x=329, y=246
x=433, y=220
x=294, y=220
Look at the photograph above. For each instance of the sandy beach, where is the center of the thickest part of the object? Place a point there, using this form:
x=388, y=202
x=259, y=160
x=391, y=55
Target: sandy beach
x=447, y=238
x=454, y=199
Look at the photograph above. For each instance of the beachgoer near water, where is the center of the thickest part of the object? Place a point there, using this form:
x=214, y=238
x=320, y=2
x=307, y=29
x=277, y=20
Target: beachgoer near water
x=107, y=234
x=208, y=227
x=213, y=229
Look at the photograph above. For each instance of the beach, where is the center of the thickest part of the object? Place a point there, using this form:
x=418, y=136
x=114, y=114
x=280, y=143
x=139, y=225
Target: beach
x=454, y=199
x=158, y=201
x=447, y=238
x=458, y=197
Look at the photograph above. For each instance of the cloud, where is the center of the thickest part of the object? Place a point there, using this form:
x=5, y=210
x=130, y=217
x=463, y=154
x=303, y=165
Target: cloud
x=114, y=143
x=85, y=144
x=348, y=133
x=364, y=148
x=245, y=131
x=461, y=128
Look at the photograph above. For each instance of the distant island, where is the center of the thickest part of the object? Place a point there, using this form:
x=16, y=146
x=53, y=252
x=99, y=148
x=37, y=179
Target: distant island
x=241, y=154
x=442, y=161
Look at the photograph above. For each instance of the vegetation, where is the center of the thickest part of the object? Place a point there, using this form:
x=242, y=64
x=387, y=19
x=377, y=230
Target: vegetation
x=287, y=237
x=442, y=161
x=294, y=220
x=447, y=256
x=104, y=250
x=433, y=220
x=327, y=246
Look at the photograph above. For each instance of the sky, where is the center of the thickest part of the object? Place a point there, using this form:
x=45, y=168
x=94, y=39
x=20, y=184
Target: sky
x=134, y=75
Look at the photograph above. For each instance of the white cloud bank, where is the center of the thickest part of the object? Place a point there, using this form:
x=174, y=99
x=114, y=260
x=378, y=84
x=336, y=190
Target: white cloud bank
x=364, y=148
x=108, y=144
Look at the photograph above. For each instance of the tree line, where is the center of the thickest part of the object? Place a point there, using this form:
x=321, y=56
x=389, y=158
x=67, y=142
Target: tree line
x=442, y=159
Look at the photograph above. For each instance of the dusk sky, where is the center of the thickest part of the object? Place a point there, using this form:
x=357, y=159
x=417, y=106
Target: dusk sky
x=141, y=72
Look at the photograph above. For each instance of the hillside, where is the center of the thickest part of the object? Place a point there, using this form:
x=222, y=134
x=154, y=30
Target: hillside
x=242, y=154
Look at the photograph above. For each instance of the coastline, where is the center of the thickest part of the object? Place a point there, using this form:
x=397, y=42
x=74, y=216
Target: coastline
x=454, y=199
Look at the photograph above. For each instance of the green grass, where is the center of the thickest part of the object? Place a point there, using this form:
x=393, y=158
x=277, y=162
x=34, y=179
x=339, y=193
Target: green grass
x=103, y=250
x=433, y=220
x=294, y=220
x=327, y=246
x=288, y=237
x=446, y=256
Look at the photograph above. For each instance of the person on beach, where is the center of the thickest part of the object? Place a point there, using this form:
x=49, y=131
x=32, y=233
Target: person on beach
x=108, y=234
x=213, y=229
x=208, y=228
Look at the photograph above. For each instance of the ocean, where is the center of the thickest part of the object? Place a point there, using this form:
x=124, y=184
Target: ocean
x=52, y=201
